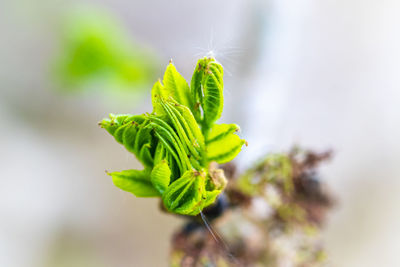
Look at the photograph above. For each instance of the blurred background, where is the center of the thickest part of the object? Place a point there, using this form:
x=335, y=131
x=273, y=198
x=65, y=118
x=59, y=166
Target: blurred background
x=322, y=74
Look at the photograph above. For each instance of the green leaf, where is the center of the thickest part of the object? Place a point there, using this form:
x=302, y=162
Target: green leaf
x=181, y=119
x=213, y=100
x=176, y=86
x=143, y=145
x=129, y=136
x=173, y=165
x=161, y=176
x=177, y=125
x=186, y=194
x=196, y=90
x=113, y=123
x=145, y=156
x=135, y=181
x=171, y=141
x=160, y=153
x=191, y=127
x=116, y=123
x=119, y=133
x=223, y=145
x=130, y=131
x=220, y=131
x=157, y=93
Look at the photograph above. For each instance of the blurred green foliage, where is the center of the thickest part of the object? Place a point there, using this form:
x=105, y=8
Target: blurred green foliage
x=96, y=52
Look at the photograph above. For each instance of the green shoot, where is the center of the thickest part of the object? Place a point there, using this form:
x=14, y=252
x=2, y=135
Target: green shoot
x=177, y=142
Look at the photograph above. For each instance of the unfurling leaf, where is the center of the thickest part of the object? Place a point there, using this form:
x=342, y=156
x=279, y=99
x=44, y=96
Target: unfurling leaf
x=223, y=144
x=220, y=131
x=176, y=86
x=207, y=91
x=196, y=90
x=161, y=176
x=157, y=93
x=134, y=181
x=130, y=131
x=213, y=85
x=187, y=194
x=191, y=127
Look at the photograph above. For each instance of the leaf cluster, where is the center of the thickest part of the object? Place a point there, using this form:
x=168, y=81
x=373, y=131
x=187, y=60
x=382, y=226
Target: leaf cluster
x=177, y=141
